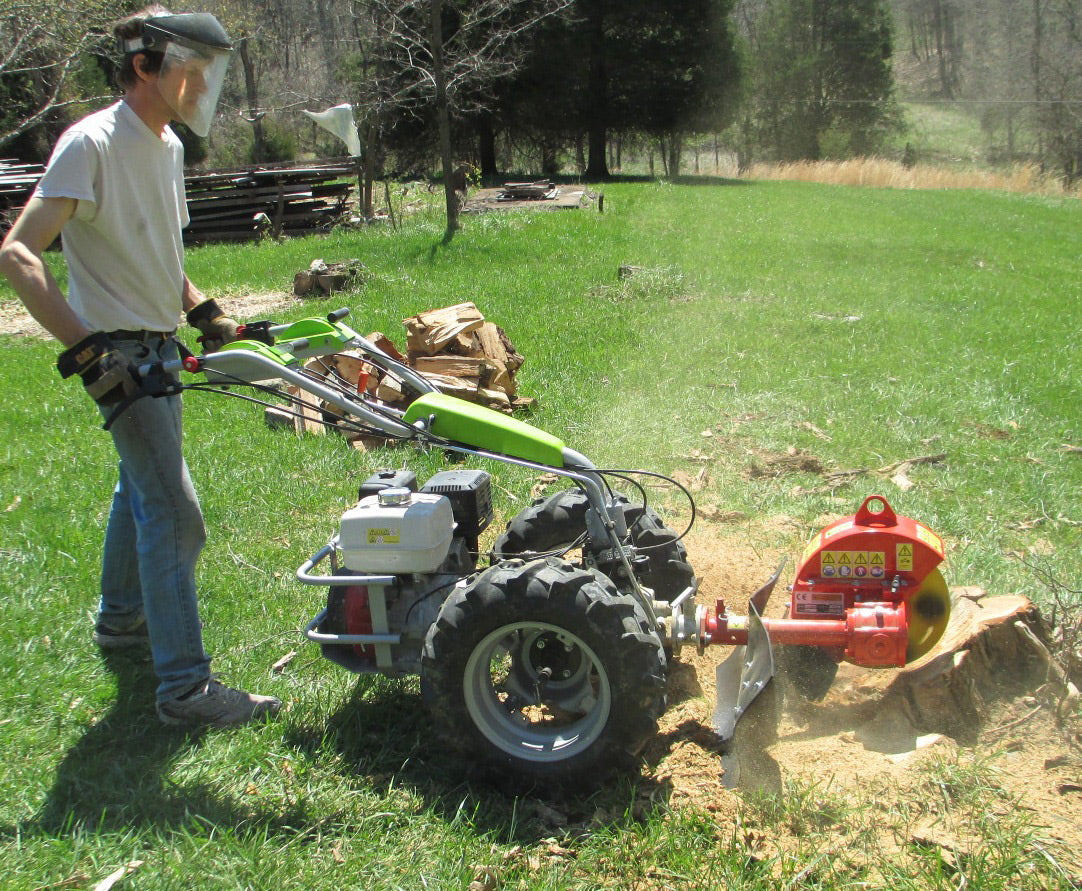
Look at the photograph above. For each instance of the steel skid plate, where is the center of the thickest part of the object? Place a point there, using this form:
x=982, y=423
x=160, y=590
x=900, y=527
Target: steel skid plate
x=743, y=676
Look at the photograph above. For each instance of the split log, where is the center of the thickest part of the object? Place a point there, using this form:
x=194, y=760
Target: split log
x=437, y=330
x=389, y=390
x=309, y=412
x=492, y=341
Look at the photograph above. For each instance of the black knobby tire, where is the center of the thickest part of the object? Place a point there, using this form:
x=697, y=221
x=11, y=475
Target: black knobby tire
x=545, y=673
x=553, y=523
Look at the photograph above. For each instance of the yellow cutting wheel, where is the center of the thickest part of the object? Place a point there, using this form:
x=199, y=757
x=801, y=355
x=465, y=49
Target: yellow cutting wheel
x=928, y=613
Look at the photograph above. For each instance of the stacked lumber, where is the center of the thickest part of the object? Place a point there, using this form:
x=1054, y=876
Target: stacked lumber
x=455, y=348
x=247, y=204
x=229, y=205
x=17, y=183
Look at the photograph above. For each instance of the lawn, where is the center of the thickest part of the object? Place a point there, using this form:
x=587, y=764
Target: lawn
x=861, y=327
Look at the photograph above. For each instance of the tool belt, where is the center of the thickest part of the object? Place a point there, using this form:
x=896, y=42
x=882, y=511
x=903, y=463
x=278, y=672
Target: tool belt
x=140, y=335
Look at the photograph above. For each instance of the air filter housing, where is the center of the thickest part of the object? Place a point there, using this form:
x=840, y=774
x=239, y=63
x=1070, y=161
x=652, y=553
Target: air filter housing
x=470, y=494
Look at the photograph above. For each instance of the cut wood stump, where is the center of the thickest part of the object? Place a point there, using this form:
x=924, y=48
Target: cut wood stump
x=992, y=649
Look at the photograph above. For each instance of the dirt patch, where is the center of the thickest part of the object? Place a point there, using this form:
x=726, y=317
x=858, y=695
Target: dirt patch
x=865, y=795
x=17, y=322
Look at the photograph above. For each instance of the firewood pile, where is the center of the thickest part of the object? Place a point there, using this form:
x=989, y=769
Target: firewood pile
x=455, y=348
x=321, y=279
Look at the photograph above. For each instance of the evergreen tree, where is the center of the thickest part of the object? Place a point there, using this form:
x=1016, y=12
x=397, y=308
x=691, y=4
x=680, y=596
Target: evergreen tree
x=824, y=83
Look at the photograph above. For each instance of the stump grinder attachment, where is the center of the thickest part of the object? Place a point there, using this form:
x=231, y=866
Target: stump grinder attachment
x=867, y=591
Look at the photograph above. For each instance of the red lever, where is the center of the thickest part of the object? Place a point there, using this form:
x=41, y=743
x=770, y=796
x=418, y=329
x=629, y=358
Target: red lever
x=192, y=364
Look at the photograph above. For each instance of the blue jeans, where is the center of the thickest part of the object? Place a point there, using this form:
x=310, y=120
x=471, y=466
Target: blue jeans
x=155, y=534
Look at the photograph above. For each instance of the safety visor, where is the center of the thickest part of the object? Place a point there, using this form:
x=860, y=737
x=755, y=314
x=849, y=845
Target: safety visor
x=191, y=81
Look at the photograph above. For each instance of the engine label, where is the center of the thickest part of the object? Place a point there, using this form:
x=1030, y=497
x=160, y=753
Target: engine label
x=387, y=535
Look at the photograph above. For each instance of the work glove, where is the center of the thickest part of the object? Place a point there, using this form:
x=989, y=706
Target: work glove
x=217, y=328
x=107, y=374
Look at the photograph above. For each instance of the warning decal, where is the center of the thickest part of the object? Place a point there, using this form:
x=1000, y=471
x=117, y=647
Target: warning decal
x=877, y=561
x=929, y=538
x=905, y=556
x=828, y=566
x=853, y=564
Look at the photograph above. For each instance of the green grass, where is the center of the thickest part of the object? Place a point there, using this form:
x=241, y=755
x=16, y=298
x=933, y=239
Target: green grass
x=945, y=134
x=897, y=324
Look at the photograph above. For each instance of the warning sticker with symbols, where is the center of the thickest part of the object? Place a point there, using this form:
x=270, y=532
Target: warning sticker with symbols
x=929, y=538
x=852, y=564
x=904, y=554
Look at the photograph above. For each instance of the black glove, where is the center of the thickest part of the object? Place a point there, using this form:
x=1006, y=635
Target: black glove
x=218, y=329
x=107, y=374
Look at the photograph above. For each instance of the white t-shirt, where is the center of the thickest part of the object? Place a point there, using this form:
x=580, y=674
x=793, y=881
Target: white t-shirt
x=123, y=246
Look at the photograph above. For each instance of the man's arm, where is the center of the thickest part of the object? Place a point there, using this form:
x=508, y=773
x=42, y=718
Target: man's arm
x=22, y=261
x=191, y=296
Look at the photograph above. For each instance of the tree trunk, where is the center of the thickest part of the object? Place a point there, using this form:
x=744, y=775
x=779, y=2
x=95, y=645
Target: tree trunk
x=597, y=93
x=251, y=91
x=443, y=116
x=486, y=150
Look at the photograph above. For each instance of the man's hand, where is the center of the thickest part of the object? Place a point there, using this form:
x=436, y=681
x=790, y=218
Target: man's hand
x=107, y=375
x=217, y=328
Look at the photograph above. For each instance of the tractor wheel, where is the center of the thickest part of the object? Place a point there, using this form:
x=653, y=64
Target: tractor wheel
x=545, y=673
x=554, y=523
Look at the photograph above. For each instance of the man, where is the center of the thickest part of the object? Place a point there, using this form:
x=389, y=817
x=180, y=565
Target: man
x=114, y=188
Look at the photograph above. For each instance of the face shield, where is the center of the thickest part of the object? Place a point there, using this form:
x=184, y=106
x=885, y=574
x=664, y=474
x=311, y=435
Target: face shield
x=191, y=82
x=196, y=53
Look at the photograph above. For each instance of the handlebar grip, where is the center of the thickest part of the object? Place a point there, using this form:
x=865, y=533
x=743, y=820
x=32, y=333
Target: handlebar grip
x=338, y=314
x=190, y=364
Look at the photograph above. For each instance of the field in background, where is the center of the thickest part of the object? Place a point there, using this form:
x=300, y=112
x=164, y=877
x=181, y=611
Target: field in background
x=855, y=328
x=886, y=174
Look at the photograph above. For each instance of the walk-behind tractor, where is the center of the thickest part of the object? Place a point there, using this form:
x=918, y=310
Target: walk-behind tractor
x=545, y=656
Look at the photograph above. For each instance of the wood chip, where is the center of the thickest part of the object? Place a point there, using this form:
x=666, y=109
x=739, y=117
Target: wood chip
x=110, y=880
x=279, y=666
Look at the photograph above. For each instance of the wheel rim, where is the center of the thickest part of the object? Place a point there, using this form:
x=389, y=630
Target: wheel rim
x=537, y=691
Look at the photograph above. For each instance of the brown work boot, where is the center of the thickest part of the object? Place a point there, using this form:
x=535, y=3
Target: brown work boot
x=216, y=705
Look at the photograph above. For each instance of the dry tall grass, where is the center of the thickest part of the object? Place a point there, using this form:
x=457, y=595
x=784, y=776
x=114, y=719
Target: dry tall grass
x=881, y=173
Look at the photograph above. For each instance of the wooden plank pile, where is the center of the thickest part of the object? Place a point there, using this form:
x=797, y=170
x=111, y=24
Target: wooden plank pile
x=248, y=204
x=17, y=182
x=533, y=191
x=238, y=205
x=455, y=348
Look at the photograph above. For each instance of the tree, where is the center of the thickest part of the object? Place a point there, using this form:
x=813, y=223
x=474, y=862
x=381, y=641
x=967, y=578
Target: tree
x=443, y=58
x=634, y=67
x=824, y=83
x=43, y=49
x=675, y=70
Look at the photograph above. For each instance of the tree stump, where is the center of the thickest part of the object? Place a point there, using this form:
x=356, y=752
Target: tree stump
x=991, y=649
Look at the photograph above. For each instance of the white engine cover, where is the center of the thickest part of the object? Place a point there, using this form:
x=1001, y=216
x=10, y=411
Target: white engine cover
x=412, y=534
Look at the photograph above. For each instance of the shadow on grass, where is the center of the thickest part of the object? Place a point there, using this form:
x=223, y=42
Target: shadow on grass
x=385, y=740
x=117, y=775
